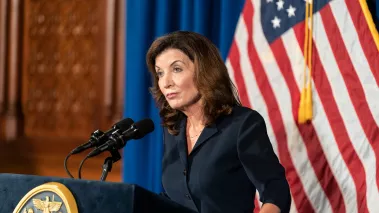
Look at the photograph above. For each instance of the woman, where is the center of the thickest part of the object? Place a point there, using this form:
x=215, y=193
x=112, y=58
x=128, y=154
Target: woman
x=216, y=152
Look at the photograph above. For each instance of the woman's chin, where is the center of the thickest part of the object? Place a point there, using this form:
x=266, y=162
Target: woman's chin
x=176, y=106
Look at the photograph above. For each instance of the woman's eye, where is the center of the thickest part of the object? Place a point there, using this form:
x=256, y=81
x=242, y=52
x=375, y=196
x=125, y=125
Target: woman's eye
x=159, y=74
x=177, y=69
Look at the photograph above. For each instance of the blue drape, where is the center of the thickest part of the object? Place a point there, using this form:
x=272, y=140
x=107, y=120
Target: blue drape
x=146, y=20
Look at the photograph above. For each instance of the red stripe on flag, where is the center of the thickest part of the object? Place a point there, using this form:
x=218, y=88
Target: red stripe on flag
x=347, y=151
x=299, y=195
x=234, y=58
x=308, y=133
x=352, y=82
x=365, y=37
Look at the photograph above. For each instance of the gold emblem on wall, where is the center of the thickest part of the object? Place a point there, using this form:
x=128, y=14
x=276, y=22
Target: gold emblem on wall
x=48, y=198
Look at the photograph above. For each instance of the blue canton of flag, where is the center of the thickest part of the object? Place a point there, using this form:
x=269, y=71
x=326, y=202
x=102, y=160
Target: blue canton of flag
x=280, y=15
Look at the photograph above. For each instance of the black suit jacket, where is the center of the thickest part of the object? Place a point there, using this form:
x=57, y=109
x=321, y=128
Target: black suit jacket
x=231, y=159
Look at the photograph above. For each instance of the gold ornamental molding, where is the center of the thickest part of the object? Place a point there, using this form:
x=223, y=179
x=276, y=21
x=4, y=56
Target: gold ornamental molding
x=47, y=198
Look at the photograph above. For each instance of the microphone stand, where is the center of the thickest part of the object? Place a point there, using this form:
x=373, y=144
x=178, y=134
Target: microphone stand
x=107, y=166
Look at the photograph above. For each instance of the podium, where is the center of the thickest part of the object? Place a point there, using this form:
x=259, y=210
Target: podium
x=88, y=196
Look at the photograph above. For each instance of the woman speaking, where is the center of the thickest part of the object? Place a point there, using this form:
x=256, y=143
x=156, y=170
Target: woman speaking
x=216, y=152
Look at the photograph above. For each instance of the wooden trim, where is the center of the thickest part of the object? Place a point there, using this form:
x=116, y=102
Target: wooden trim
x=3, y=38
x=13, y=112
x=25, y=52
x=13, y=60
x=119, y=78
x=109, y=57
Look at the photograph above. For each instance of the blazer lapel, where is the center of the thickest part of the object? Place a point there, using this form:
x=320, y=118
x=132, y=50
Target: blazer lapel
x=182, y=143
x=205, y=135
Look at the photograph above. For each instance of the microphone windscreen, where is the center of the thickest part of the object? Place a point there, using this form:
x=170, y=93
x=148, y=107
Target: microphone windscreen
x=124, y=124
x=144, y=127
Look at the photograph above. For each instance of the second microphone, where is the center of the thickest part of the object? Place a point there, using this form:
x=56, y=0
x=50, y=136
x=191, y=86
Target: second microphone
x=118, y=139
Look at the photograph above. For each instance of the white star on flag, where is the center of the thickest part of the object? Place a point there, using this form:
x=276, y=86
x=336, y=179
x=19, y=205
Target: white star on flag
x=291, y=11
x=276, y=22
x=280, y=4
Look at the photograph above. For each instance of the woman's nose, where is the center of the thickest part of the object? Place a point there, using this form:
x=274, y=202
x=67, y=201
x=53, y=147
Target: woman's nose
x=167, y=81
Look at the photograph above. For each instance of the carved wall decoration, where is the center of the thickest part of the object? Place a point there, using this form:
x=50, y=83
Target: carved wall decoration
x=67, y=64
x=61, y=78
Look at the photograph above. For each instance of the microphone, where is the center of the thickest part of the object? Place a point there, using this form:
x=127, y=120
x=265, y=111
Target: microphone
x=117, y=139
x=98, y=137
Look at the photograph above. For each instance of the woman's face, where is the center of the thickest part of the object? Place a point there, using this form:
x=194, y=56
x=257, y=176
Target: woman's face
x=175, y=73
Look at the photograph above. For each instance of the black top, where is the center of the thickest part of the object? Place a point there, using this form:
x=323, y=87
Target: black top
x=231, y=159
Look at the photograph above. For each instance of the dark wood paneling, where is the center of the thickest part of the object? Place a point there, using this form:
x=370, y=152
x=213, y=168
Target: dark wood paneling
x=37, y=157
x=63, y=69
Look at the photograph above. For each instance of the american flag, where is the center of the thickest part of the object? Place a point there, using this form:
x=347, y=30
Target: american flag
x=331, y=162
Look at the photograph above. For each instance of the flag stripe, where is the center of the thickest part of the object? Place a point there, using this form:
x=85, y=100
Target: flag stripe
x=322, y=127
x=230, y=71
x=340, y=132
x=252, y=89
x=277, y=124
x=327, y=92
x=255, y=97
x=314, y=150
x=349, y=74
x=331, y=162
x=274, y=95
x=367, y=41
x=371, y=90
x=355, y=89
x=235, y=62
x=359, y=61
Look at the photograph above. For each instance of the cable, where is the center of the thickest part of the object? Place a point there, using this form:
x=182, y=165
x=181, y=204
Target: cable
x=80, y=167
x=65, y=165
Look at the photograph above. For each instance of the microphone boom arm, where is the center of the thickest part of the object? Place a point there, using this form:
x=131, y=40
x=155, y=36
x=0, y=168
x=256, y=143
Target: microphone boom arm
x=107, y=166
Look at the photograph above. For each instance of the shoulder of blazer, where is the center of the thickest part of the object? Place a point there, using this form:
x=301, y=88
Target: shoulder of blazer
x=238, y=115
x=242, y=111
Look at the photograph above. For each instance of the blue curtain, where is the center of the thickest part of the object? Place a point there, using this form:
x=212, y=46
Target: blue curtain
x=146, y=20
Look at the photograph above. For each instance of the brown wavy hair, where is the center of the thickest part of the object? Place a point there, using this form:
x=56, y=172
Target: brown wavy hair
x=211, y=77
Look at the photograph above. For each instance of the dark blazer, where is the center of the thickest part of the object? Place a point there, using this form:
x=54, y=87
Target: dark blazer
x=231, y=159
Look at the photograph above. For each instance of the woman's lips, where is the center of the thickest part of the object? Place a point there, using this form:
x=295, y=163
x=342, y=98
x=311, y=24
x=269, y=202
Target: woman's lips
x=171, y=95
